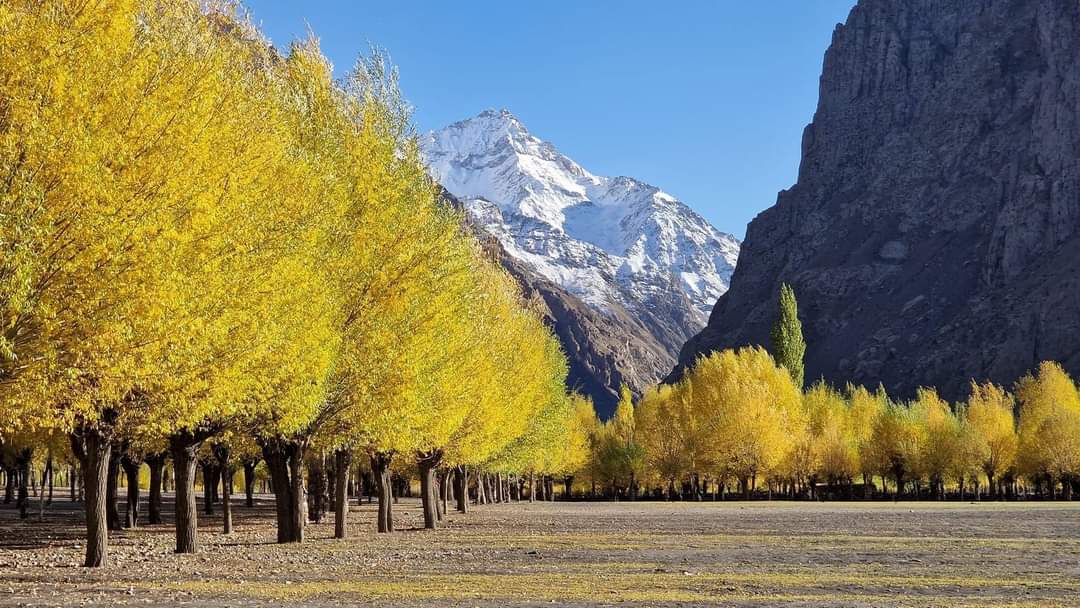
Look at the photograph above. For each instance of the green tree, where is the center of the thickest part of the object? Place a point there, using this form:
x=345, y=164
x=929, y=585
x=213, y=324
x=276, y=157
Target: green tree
x=788, y=344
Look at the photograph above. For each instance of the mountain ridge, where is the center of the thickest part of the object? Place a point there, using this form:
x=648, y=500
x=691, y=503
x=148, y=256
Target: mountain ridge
x=623, y=272
x=933, y=235
x=604, y=351
x=611, y=241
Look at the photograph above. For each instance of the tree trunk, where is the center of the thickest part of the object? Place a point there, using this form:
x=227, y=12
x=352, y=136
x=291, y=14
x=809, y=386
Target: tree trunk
x=445, y=490
x=461, y=488
x=223, y=454
x=10, y=484
x=249, y=482
x=94, y=449
x=112, y=512
x=426, y=463
x=49, y=473
x=285, y=461
x=295, y=451
x=156, y=462
x=209, y=483
x=41, y=491
x=22, y=463
x=380, y=466
x=568, y=484
x=277, y=465
x=184, y=448
x=316, y=487
x=342, y=462
x=131, y=471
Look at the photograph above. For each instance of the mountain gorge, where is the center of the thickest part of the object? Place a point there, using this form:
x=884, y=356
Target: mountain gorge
x=933, y=235
x=626, y=272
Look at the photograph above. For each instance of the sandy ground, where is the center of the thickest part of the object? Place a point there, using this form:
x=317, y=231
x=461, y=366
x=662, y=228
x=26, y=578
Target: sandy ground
x=575, y=554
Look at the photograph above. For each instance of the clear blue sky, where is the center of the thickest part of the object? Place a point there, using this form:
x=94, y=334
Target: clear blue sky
x=706, y=100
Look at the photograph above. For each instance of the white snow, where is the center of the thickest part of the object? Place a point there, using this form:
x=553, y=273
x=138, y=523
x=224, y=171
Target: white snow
x=606, y=239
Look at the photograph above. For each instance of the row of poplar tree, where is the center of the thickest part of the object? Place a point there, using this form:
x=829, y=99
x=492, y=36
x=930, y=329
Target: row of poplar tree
x=741, y=418
x=209, y=246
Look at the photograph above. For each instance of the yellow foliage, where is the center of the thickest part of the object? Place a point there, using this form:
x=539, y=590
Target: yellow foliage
x=1049, y=428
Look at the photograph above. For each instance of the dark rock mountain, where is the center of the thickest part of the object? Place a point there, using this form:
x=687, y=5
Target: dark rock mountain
x=604, y=351
x=933, y=235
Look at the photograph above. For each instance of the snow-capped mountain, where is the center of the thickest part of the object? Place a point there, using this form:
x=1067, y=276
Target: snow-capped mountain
x=615, y=242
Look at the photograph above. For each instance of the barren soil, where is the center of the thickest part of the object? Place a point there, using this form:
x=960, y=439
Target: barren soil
x=575, y=554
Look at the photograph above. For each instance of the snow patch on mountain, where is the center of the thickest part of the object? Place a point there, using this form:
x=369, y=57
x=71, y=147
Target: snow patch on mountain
x=612, y=241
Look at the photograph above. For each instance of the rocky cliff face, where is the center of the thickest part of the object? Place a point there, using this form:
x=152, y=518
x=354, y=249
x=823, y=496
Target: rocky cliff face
x=933, y=235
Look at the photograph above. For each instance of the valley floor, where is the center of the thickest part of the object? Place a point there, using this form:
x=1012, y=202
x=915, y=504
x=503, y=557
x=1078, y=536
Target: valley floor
x=576, y=554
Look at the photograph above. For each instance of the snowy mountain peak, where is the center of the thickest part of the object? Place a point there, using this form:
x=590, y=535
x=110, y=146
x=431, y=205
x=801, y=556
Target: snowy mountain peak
x=616, y=242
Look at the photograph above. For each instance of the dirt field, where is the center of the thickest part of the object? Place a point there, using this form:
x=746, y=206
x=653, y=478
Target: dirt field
x=578, y=554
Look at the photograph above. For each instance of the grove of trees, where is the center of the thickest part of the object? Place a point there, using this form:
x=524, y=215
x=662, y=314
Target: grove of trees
x=212, y=253
x=740, y=420
x=217, y=258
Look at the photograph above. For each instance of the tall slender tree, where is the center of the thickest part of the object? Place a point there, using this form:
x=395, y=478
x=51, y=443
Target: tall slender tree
x=788, y=345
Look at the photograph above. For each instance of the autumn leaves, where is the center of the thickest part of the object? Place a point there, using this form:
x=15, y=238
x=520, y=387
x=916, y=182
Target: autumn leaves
x=206, y=240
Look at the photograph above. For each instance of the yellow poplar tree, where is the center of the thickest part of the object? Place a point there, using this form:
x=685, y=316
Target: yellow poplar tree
x=1049, y=426
x=752, y=408
x=989, y=414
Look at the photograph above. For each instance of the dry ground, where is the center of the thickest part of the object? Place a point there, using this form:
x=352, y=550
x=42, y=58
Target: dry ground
x=577, y=554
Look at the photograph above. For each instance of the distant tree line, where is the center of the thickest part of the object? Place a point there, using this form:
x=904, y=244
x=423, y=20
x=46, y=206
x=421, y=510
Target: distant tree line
x=739, y=422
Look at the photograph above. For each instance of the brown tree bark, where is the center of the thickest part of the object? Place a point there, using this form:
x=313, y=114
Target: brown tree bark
x=285, y=461
x=184, y=448
x=156, y=462
x=442, y=492
x=461, y=488
x=93, y=448
x=249, y=482
x=426, y=463
x=380, y=466
x=112, y=512
x=342, y=462
x=209, y=480
x=277, y=465
x=10, y=484
x=316, y=487
x=296, y=478
x=49, y=473
x=131, y=465
x=22, y=466
x=223, y=454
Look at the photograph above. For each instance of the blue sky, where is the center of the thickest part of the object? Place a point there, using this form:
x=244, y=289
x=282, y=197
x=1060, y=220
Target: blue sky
x=706, y=100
